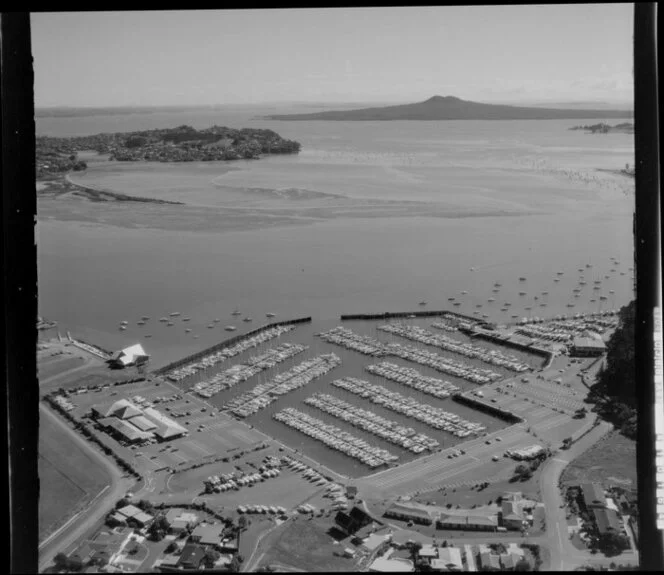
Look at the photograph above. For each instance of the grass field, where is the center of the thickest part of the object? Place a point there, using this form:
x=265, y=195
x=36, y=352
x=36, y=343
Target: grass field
x=69, y=477
x=306, y=545
x=612, y=461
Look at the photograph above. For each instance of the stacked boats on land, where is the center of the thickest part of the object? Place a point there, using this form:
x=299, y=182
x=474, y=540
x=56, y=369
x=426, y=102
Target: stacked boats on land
x=564, y=329
x=412, y=378
x=416, y=333
x=335, y=437
x=238, y=479
x=242, y=372
x=391, y=431
x=222, y=355
x=264, y=394
x=432, y=416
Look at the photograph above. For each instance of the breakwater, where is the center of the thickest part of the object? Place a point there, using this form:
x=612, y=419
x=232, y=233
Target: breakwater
x=406, y=314
x=504, y=339
x=484, y=407
x=227, y=343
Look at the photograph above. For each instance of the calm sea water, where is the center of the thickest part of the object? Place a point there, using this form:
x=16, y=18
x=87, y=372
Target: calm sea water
x=369, y=217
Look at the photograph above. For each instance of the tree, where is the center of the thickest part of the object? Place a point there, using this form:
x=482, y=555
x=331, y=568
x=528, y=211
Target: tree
x=172, y=546
x=611, y=543
x=61, y=561
x=235, y=564
x=242, y=522
x=414, y=549
x=211, y=557
x=522, y=565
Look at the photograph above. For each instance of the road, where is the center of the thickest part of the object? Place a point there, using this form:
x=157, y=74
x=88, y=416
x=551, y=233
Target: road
x=77, y=526
x=563, y=555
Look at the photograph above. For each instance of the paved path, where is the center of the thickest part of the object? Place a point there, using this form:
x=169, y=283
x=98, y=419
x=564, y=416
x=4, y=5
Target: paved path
x=78, y=525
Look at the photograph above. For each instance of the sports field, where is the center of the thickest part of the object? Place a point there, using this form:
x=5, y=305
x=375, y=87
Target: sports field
x=69, y=477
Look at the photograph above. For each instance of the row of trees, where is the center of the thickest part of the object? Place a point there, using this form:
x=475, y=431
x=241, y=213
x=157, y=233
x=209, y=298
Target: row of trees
x=615, y=393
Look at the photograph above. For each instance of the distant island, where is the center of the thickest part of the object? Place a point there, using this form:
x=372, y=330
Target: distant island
x=601, y=128
x=452, y=108
x=181, y=144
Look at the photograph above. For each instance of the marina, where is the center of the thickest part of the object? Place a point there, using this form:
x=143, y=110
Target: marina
x=335, y=438
x=434, y=417
x=242, y=372
x=265, y=393
x=391, y=431
x=410, y=377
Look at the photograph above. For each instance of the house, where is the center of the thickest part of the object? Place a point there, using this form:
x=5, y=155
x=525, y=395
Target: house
x=607, y=519
x=129, y=511
x=104, y=547
x=133, y=355
x=489, y=561
x=352, y=521
x=386, y=565
x=409, y=513
x=511, y=515
x=374, y=541
x=206, y=534
x=428, y=552
x=592, y=496
x=179, y=520
x=166, y=428
x=449, y=559
x=191, y=557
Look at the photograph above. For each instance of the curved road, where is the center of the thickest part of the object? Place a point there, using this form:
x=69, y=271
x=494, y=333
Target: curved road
x=77, y=526
x=564, y=556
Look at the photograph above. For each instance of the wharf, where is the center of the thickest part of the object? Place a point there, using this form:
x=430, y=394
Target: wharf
x=226, y=343
x=503, y=338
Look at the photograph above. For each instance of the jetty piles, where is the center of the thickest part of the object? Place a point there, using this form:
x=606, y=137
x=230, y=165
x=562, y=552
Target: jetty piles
x=226, y=343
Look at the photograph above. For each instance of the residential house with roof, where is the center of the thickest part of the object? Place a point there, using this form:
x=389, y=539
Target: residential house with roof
x=449, y=559
x=402, y=537
x=134, y=516
x=192, y=556
x=592, y=496
x=179, y=520
x=511, y=515
x=207, y=534
x=607, y=520
x=489, y=560
x=352, y=521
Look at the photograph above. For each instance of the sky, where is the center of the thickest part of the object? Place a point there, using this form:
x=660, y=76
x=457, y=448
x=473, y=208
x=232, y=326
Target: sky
x=521, y=54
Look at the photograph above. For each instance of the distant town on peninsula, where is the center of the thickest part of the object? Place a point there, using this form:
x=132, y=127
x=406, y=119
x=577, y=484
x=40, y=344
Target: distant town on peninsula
x=181, y=144
x=452, y=108
x=601, y=128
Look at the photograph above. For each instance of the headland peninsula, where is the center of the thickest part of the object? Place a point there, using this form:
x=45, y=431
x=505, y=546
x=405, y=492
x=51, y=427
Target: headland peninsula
x=56, y=157
x=452, y=108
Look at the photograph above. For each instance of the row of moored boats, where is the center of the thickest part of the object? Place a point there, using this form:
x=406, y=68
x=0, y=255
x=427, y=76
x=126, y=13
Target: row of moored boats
x=412, y=378
x=264, y=394
x=432, y=416
x=222, y=355
x=335, y=437
x=391, y=431
x=252, y=366
x=421, y=335
x=350, y=340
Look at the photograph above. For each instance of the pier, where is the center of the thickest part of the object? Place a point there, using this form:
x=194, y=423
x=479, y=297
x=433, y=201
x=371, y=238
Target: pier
x=417, y=314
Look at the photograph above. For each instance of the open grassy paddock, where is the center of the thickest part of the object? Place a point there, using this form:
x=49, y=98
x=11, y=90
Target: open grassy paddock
x=612, y=461
x=305, y=544
x=69, y=477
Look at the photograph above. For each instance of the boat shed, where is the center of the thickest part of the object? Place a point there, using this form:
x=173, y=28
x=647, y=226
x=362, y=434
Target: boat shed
x=133, y=355
x=588, y=347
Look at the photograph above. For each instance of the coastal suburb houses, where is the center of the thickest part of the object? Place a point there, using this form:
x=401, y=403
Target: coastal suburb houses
x=513, y=513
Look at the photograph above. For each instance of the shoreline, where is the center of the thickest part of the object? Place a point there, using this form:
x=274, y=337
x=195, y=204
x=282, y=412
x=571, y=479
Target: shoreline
x=63, y=184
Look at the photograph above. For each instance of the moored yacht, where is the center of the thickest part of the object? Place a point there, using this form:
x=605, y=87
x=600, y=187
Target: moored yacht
x=230, y=328
x=270, y=314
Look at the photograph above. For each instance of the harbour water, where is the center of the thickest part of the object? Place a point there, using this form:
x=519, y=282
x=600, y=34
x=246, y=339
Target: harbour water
x=369, y=218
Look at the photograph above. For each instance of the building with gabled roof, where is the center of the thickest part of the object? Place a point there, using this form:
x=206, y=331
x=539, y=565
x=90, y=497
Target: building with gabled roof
x=133, y=355
x=207, y=534
x=449, y=559
x=412, y=513
x=607, y=520
x=593, y=495
x=192, y=556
